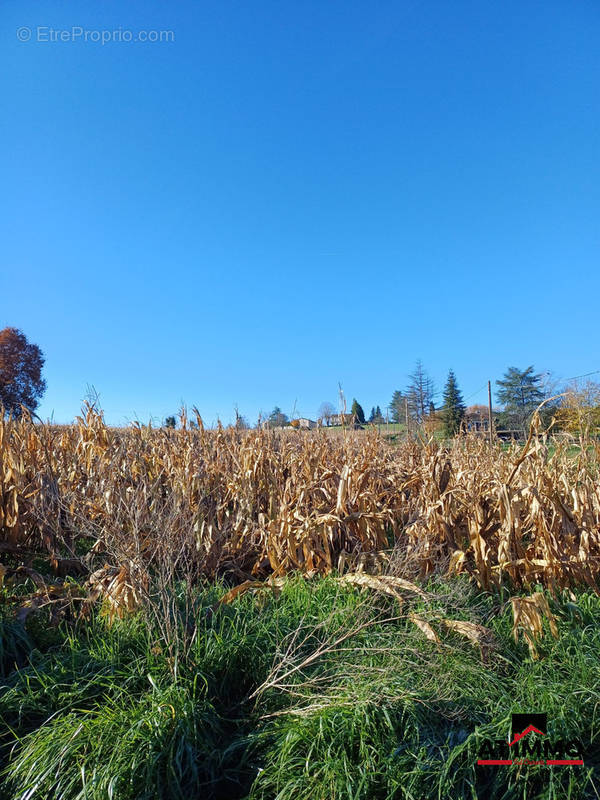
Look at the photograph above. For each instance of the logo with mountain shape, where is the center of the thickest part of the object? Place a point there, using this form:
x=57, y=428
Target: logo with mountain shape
x=525, y=724
x=529, y=744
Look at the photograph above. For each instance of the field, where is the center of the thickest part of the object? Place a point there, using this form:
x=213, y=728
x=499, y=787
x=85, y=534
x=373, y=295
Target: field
x=192, y=613
x=383, y=428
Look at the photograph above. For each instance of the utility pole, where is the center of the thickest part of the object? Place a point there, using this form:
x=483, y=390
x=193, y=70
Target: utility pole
x=490, y=410
x=406, y=414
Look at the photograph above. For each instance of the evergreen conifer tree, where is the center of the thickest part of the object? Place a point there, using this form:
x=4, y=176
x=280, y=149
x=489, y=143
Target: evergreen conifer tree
x=397, y=407
x=521, y=392
x=357, y=411
x=453, y=409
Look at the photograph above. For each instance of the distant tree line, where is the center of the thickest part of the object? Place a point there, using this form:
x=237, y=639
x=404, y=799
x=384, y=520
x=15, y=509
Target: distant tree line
x=519, y=393
x=575, y=408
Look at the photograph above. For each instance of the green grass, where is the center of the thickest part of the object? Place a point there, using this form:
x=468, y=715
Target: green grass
x=391, y=428
x=99, y=712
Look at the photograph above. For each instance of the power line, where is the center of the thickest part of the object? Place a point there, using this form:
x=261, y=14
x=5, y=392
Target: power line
x=573, y=378
x=477, y=392
x=585, y=375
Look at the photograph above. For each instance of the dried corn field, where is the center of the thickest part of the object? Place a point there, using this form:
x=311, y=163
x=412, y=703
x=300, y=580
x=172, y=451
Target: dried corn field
x=235, y=675
x=248, y=505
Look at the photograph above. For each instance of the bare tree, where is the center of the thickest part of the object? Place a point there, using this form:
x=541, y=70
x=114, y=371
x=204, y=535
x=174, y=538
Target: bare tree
x=420, y=393
x=326, y=411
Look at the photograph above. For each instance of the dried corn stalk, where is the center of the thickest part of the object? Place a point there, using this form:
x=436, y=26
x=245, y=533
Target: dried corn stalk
x=122, y=588
x=259, y=503
x=528, y=617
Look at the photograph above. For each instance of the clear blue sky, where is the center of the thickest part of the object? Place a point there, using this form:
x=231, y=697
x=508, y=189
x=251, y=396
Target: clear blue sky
x=292, y=195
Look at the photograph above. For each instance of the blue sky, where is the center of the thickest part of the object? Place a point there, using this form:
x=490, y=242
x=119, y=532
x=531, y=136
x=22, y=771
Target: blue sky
x=292, y=195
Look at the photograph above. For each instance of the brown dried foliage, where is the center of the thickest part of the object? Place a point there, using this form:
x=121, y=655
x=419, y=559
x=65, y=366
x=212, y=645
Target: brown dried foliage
x=259, y=503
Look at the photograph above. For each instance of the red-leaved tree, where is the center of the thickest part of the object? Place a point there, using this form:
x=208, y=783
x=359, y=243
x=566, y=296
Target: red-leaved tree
x=21, y=382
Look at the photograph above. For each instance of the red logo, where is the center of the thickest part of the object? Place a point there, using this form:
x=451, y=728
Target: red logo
x=529, y=744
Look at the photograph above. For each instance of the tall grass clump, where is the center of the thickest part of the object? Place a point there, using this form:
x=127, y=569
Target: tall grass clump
x=312, y=689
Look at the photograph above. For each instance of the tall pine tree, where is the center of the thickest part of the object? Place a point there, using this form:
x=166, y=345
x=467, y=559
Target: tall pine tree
x=397, y=407
x=357, y=411
x=453, y=409
x=376, y=417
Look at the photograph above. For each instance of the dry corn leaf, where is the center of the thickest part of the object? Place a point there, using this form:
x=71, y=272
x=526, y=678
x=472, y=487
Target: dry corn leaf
x=425, y=627
x=528, y=615
x=457, y=560
x=273, y=583
x=388, y=584
x=477, y=634
x=238, y=590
